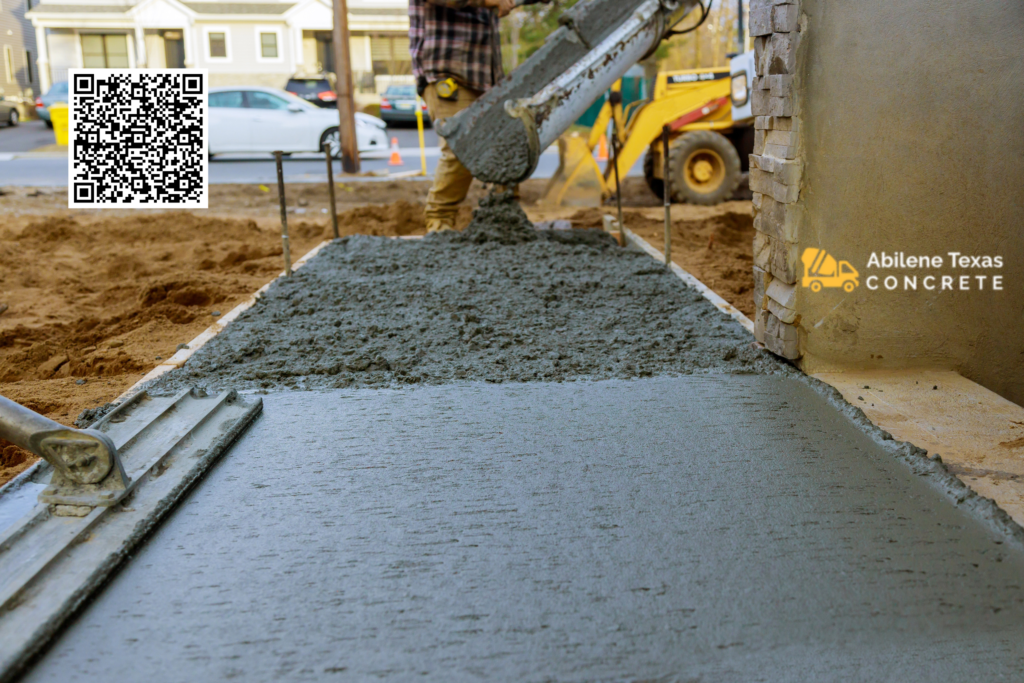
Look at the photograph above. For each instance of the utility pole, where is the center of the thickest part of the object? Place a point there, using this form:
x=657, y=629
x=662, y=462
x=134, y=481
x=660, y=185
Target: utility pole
x=346, y=100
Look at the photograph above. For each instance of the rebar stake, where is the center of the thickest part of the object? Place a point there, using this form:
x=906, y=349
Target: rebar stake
x=284, y=215
x=330, y=187
x=665, y=132
x=618, y=181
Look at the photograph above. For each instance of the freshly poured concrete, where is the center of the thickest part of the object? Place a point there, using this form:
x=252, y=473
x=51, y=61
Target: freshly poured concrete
x=487, y=304
x=714, y=528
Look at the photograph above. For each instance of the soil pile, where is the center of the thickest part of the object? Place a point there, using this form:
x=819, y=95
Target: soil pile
x=96, y=300
x=399, y=219
x=374, y=312
x=115, y=294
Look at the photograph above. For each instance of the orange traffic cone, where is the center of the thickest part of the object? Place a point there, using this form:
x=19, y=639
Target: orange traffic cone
x=396, y=156
x=602, y=149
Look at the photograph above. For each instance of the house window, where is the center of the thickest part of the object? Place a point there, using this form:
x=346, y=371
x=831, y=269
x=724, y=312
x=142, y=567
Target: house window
x=28, y=66
x=268, y=45
x=9, y=63
x=218, y=45
x=109, y=51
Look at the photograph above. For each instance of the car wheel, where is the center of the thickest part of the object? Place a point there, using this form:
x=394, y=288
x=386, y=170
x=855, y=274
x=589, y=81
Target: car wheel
x=49, y=124
x=332, y=138
x=12, y=118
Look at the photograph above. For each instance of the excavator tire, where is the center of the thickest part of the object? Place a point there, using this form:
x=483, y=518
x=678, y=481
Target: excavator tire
x=705, y=168
x=657, y=185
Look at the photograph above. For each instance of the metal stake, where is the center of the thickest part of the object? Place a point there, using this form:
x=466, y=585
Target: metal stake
x=284, y=215
x=330, y=187
x=665, y=132
x=618, y=181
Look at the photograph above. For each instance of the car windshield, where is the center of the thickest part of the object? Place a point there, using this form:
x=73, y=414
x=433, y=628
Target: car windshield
x=401, y=91
x=59, y=88
x=308, y=86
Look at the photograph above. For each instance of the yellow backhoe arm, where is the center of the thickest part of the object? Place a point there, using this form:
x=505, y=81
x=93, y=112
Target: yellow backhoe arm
x=684, y=100
x=700, y=106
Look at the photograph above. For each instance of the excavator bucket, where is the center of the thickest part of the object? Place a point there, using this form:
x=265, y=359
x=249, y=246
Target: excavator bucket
x=578, y=182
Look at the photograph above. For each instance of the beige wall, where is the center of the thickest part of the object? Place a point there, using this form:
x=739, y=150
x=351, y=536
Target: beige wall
x=913, y=141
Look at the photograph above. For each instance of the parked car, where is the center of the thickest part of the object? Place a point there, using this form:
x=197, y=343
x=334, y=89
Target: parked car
x=256, y=119
x=9, y=113
x=58, y=92
x=318, y=89
x=398, y=104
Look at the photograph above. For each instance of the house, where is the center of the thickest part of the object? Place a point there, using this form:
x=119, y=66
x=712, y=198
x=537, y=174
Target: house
x=254, y=43
x=19, y=81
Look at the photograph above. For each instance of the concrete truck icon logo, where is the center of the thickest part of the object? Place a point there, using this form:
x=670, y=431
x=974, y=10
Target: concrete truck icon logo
x=821, y=270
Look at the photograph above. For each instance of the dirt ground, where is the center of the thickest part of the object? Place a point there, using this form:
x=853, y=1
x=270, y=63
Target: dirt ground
x=713, y=243
x=94, y=300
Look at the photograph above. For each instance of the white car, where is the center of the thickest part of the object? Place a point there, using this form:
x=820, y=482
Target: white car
x=255, y=119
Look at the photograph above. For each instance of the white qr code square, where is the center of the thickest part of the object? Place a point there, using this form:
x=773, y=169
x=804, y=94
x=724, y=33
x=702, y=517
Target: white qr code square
x=138, y=138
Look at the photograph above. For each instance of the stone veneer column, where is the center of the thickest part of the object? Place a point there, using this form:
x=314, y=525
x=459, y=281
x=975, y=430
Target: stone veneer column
x=776, y=170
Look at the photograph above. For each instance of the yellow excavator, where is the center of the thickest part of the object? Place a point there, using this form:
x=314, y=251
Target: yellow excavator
x=708, y=114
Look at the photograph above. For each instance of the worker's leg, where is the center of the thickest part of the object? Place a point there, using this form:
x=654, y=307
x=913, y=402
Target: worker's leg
x=451, y=179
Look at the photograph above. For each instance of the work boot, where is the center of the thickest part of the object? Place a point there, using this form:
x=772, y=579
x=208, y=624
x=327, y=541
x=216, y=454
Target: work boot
x=438, y=225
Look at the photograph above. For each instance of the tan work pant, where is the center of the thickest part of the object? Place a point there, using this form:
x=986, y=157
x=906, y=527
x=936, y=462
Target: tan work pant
x=451, y=179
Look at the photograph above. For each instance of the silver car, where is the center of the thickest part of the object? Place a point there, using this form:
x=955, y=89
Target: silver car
x=9, y=113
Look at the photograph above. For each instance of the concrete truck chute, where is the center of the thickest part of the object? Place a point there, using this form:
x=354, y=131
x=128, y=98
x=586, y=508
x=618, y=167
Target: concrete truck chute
x=822, y=270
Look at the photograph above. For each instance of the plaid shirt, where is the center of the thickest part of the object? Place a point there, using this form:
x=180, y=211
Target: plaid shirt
x=455, y=38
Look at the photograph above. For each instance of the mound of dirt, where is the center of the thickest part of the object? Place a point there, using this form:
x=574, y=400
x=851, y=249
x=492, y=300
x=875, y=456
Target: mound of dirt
x=96, y=300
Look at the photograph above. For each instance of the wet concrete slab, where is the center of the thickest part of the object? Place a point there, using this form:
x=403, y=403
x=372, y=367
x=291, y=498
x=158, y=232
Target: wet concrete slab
x=685, y=528
x=490, y=304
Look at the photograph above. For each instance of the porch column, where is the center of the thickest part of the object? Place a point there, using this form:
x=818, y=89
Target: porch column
x=42, y=59
x=141, y=60
x=190, y=45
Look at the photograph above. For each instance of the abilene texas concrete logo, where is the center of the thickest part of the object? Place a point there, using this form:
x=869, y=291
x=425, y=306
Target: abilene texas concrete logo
x=822, y=270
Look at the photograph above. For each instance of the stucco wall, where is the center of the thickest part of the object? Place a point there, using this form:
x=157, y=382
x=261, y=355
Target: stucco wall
x=913, y=141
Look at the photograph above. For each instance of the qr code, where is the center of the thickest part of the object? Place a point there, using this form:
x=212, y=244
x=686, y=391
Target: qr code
x=138, y=138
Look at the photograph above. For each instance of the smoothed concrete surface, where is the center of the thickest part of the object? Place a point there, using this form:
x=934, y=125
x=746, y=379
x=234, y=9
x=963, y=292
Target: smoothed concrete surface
x=667, y=528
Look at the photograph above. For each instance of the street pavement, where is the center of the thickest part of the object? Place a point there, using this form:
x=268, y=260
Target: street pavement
x=20, y=167
x=702, y=528
x=29, y=135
